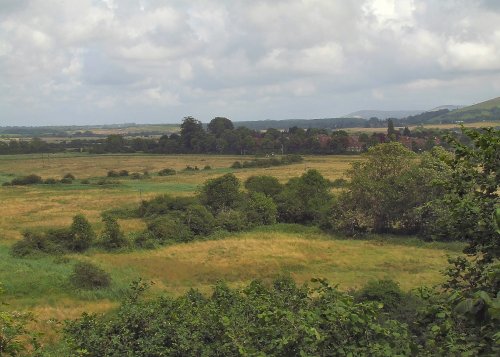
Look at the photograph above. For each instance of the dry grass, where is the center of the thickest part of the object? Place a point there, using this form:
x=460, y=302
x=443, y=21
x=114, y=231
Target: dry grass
x=483, y=124
x=52, y=206
x=261, y=255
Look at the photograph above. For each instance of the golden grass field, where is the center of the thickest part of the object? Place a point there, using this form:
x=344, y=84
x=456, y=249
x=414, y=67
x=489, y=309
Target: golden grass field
x=49, y=206
x=41, y=286
x=483, y=124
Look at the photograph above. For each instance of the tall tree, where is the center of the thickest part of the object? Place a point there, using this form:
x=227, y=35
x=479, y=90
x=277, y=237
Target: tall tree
x=191, y=133
x=218, y=125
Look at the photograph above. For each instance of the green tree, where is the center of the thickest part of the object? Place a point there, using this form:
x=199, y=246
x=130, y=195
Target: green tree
x=260, y=209
x=219, y=125
x=221, y=193
x=82, y=234
x=112, y=237
x=192, y=134
x=268, y=185
x=391, y=132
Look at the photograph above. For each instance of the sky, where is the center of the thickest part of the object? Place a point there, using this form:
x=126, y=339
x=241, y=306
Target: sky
x=70, y=62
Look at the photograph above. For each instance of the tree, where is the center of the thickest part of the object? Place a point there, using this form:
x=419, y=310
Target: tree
x=260, y=209
x=391, y=132
x=268, y=185
x=112, y=237
x=191, y=133
x=82, y=234
x=406, y=131
x=221, y=193
x=218, y=125
x=380, y=187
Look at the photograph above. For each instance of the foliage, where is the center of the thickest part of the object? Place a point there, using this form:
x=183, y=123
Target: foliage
x=82, y=234
x=26, y=180
x=260, y=209
x=166, y=172
x=164, y=204
x=385, y=291
x=268, y=185
x=89, y=276
x=221, y=193
x=199, y=220
x=232, y=220
x=14, y=336
x=280, y=320
x=112, y=237
x=305, y=199
x=167, y=229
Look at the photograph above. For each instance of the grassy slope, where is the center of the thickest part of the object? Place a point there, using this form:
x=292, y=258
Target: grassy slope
x=481, y=111
x=41, y=285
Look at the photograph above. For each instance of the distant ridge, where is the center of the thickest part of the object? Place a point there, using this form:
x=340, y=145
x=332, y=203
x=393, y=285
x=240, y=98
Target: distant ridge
x=383, y=114
x=326, y=123
x=487, y=110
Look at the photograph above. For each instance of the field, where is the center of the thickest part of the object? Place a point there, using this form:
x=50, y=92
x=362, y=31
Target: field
x=482, y=124
x=41, y=285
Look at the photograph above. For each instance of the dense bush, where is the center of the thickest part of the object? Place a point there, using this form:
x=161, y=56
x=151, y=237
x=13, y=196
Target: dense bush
x=166, y=172
x=199, y=220
x=268, y=185
x=82, y=234
x=385, y=291
x=112, y=237
x=113, y=173
x=89, y=276
x=167, y=229
x=221, y=193
x=232, y=220
x=69, y=176
x=273, y=161
x=281, y=320
x=50, y=181
x=260, y=209
x=165, y=204
x=26, y=180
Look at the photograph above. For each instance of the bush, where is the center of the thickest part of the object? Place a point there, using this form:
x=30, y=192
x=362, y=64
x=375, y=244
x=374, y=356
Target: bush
x=207, y=167
x=26, y=180
x=385, y=291
x=66, y=180
x=50, y=181
x=339, y=183
x=113, y=173
x=135, y=176
x=89, y=276
x=232, y=220
x=268, y=185
x=166, y=172
x=85, y=182
x=221, y=193
x=31, y=244
x=236, y=165
x=260, y=209
x=199, y=220
x=82, y=234
x=169, y=229
x=69, y=176
x=189, y=168
x=112, y=237
x=164, y=204
x=123, y=173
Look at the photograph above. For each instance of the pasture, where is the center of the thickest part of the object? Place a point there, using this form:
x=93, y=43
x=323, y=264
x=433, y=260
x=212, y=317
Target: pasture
x=41, y=285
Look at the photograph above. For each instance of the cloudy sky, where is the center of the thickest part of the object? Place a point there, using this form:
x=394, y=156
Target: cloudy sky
x=152, y=61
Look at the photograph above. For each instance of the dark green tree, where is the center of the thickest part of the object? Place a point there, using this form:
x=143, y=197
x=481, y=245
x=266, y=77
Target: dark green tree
x=221, y=193
x=218, y=125
x=82, y=234
x=112, y=237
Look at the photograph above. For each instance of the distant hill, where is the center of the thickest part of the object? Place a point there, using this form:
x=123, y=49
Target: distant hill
x=449, y=107
x=488, y=110
x=383, y=114
x=326, y=123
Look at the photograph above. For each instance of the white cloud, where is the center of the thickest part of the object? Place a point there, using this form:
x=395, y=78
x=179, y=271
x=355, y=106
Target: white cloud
x=252, y=59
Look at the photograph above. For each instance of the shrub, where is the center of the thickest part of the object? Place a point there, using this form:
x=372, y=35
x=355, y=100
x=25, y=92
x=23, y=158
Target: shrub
x=89, y=276
x=69, y=176
x=189, y=168
x=339, y=183
x=169, y=229
x=66, y=180
x=26, y=180
x=268, y=185
x=31, y=244
x=135, y=176
x=82, y=234
x=221, y=193
x=7, y=184
x=385, y=291
x=50, y=181
x=164, y=204
x=123, y=173
x=207, y=167
x=236, y=165
x=113, y=173
x=166, y=172
x=85, y=181
x=199, y=220
x=112, y=237
x=260, y=209
x=232, y=220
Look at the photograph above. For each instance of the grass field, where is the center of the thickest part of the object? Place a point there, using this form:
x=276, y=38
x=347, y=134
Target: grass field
x=482, y=124
x=41, y=285
x=55, y=205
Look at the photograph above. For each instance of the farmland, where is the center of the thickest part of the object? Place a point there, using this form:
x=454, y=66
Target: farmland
x=41, y=285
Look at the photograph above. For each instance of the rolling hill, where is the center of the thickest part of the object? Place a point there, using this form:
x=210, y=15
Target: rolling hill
x=488, y=110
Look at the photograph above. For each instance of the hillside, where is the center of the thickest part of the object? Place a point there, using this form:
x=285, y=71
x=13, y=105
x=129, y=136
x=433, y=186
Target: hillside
x=382, y=114
x=488, y=110
x=327, y=123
